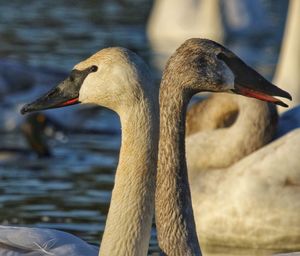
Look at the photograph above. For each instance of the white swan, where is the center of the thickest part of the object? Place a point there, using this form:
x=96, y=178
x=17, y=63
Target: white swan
x=287, y=71
x=224, y=128
x=117, y=79
x=203, y=65
x=255, y=203
x=242, y=189
x=171, y=22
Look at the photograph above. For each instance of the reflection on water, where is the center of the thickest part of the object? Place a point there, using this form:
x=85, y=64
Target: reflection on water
x=72, y=190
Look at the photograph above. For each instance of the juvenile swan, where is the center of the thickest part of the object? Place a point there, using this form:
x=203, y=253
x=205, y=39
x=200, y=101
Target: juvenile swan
x=197, y=65
x=117, y=79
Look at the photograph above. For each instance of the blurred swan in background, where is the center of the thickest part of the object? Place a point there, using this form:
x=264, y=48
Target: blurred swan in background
x=253, y=203
x=287, y=71
x=117, y=79
x=173, y=21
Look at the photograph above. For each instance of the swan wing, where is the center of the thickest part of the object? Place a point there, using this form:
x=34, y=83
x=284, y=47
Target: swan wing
x=17, y=241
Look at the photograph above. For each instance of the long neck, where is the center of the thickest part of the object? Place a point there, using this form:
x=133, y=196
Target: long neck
x=173, y=208
x=219, y=146
x=256, y=123
x=128, y=225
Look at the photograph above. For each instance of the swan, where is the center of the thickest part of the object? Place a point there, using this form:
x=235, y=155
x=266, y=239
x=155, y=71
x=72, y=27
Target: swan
x=197, y=65
x=118, y=79
x=171, y=22
x=253, y=203
x=287, y=70
x=224, y=128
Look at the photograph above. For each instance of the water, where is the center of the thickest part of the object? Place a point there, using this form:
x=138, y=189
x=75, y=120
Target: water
x=71, y=191
x=60, y=34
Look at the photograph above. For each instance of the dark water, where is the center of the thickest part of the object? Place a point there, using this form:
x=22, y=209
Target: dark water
x=71, y=191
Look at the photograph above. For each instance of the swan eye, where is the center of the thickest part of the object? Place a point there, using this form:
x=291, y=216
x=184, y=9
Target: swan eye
x=93, y=68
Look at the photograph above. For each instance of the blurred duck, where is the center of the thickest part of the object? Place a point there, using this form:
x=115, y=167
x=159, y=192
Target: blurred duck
x=171, y=22
x=33, y=129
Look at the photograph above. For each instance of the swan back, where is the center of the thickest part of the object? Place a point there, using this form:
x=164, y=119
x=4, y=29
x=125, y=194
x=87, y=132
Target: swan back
x=197, y=65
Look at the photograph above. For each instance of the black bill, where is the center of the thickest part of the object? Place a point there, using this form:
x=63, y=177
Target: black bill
x=65, y=94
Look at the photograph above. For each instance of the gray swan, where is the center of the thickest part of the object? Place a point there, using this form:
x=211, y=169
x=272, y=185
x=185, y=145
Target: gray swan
x=202, y=65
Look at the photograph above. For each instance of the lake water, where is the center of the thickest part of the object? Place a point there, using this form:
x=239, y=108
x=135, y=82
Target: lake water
x=71, y=191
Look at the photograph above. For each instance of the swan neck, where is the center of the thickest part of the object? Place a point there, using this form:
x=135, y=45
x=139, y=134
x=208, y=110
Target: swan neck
x=174, y=214
x=128, y=225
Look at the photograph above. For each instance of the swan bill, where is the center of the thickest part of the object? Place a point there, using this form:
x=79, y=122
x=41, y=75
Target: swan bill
x=64, y=94
x=250, y=83
x=258, y=95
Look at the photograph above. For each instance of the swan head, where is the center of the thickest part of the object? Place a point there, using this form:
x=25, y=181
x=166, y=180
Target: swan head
x=204, y=65
x=113, y=78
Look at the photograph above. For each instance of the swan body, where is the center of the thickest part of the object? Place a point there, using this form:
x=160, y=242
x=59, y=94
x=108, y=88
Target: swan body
x=251, y=204
x=198, y=65
x=287, y=70
x=224, y=128
x=117, y=79
x=254, y=203
x=173, y=21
